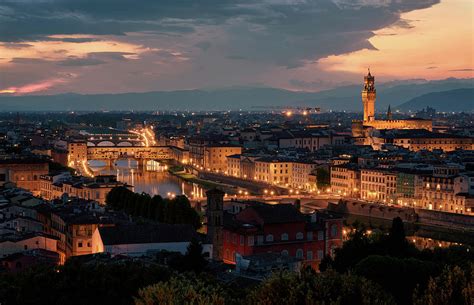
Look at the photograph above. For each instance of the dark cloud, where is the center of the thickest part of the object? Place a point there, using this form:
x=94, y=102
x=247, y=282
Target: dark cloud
x=282, y=32
x=94, y=59
x=13, y=45
x=24, y=60
x=75, y=40
x=77, y=61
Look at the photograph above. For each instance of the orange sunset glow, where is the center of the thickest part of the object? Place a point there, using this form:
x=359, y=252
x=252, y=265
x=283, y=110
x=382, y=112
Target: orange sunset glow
x=437, y=42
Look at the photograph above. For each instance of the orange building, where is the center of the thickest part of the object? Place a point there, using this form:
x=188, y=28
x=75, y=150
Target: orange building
x=25, y=173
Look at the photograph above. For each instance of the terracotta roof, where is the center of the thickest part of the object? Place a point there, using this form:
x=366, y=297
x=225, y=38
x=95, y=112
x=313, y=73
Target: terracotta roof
x=146, y=233
x=278, y=213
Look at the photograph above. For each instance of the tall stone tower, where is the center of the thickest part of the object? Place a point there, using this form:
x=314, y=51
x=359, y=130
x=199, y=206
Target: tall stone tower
x=368, y=97
x=215, y=221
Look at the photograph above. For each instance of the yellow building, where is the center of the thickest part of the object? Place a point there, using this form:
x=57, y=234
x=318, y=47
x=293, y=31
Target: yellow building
x=74, y=227
x=25, y=173
x=424, y=140
x=233, y=166
x=273, y=171
x=378, y=185
x=215, y=156
x=95, y=189
x=446, y=194
x=300, y=175
x=77, y=153
x=345, y=180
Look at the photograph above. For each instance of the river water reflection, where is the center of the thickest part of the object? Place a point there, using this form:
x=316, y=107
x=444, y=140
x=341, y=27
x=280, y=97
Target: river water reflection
x=154, y=180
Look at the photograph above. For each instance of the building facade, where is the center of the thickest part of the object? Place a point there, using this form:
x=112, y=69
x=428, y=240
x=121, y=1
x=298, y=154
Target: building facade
x=369, y=95
x=282, y=229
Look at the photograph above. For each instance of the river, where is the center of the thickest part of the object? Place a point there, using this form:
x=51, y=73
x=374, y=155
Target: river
x=155, y=180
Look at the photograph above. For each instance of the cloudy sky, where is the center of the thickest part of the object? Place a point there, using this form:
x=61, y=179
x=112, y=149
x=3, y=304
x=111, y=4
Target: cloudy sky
x=104, y=46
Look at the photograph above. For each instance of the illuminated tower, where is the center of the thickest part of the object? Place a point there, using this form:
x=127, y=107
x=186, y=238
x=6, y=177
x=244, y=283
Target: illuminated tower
x=368, y=97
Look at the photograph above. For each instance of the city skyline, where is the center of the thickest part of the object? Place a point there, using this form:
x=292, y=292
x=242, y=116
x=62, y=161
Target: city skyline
x=112, y=47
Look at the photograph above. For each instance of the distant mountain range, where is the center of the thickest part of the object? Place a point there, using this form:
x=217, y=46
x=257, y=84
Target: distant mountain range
x=451, y=100
x=409, y=94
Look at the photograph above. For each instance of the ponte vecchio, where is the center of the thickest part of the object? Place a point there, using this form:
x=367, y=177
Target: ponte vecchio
x=110, y=145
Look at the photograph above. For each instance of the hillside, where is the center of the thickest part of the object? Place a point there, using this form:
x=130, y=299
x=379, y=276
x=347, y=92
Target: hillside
x=248, y=98
x=451, y=100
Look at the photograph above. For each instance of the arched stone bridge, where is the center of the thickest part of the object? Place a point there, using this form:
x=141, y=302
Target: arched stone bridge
x=79, y=153
x=139, y=153
x=110, y=137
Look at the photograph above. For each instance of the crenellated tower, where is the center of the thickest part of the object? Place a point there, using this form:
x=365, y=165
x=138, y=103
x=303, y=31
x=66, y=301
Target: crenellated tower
x=368, y=97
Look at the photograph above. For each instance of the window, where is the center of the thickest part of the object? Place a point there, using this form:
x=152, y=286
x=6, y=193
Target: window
x=309, y=236
x=334, y=230
x=250, y=240
x=260, y=239
x=320, y=235
x=79, y=244
x=309, y=255
x=284, y=252
x=320, y=254
x=284, y=236
x=269, y=238
x=26, y=247
x=299, y=235
x=299, y=253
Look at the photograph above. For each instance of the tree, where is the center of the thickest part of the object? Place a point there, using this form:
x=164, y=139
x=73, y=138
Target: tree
x=398, y=276
x=396, y=243
x=323, y=179
x=180, y=290
x=194, y=260
x=78, y=283
x=326, y=288
x=174, y=211
x=453, y=286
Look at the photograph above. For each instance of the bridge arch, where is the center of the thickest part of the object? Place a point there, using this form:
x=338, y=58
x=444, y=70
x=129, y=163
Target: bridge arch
x=90, y=144
x=105, y=143
x=124, y=143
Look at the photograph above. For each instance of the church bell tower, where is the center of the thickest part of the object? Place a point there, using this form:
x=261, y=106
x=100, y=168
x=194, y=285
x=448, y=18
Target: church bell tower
x=215, y=222
x=368, y=97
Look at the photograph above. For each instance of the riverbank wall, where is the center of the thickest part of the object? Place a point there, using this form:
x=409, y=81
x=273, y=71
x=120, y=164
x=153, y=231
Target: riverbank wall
x=427, y=218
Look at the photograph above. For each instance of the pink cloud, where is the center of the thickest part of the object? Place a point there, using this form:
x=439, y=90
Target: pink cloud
x=33, y=87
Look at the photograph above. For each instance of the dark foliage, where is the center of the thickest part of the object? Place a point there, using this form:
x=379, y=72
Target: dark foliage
x=393, y=262
x=174, y=211
x=80, y=283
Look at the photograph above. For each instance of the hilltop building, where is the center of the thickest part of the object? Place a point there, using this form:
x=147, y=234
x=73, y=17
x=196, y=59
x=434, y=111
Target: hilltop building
x=361, y=129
